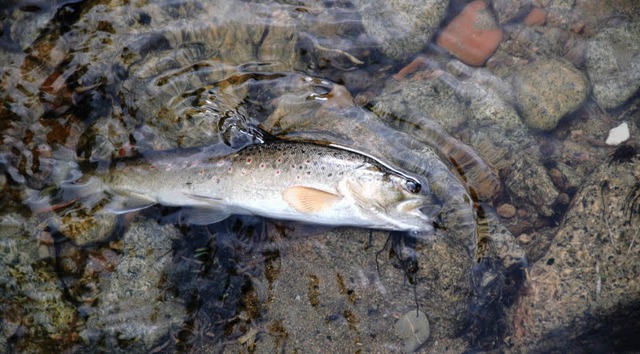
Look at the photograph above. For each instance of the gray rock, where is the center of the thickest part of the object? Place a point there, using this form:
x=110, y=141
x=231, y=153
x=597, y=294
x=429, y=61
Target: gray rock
x=613, y=64
x=402, y=27
x=507, y=10
x=579, y=290
x=33, y=303
x=129, y=307
x=547, y=90
x=333, y=297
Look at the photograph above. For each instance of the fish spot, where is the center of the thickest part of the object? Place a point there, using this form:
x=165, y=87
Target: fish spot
x=278, y=172
x=243, y=172
x=262, y=165
x=300, y=167
x=248, y=160
x=308, y=173
x=201, y=172
x=229, y=169
x=330, y=174
x=153, y=167
x=279, y=160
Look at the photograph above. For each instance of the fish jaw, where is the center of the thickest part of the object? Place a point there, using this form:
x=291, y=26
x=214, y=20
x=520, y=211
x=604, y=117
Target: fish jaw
x=386, y=203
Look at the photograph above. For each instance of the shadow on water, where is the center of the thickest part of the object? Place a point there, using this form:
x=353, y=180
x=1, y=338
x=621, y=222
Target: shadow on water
x=218, y=274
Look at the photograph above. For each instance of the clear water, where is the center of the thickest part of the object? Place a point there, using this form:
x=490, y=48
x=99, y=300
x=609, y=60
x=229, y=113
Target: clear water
x=89, y=81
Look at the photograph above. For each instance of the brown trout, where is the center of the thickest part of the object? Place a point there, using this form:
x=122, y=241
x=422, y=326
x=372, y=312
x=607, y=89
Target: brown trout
x=297, y=181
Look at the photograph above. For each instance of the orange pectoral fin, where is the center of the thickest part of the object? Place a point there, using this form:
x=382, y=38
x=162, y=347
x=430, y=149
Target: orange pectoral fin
x=309, y=200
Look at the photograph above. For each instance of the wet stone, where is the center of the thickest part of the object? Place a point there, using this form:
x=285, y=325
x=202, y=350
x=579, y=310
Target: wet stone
x=420, y=19
x=129, y=307
x=536, y=17
x=33, y=303
x=473, y=35
x=583, y=291
x=613, y=64
x=482, y=101
x=413, y=329
x=506, y=210
x=547, y=90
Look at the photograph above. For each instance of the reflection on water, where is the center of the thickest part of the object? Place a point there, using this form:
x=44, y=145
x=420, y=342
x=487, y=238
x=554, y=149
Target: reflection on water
x=502, y=108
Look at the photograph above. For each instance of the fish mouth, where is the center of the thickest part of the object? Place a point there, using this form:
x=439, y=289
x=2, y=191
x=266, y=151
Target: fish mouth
x=416, y=215
x=430, y=211
x=419, y=208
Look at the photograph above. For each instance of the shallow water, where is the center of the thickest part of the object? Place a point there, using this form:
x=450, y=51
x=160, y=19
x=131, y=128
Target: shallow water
x=535, y=248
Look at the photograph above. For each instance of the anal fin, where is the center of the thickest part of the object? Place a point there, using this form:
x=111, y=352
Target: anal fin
x=201, y=216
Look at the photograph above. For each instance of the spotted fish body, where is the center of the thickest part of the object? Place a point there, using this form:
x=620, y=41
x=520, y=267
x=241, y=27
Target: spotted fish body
x=280, y=180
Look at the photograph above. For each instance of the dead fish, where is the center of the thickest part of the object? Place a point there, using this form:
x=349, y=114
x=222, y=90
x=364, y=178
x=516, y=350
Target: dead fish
x=310, y=183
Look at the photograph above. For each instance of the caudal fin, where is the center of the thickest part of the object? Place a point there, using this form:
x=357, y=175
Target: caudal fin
x=85, y=194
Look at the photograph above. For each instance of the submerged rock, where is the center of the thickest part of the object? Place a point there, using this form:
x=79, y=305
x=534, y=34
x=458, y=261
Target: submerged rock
x=401, y=27
x=133, y=305
x=507, y=10
x=547, y=90
x=473, y=35
x=35, y=311
x=583, y=294
x=613, y=64
x=344, y=291
x=478, y=104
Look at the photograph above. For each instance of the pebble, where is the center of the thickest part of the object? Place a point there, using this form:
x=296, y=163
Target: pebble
x=557, y=177
x=413, y=328
x=618, y=134
x=506, y=211
x=536, y=17
x=524, y=239
x=613, y=64
x=547, y=90
x=472, y=36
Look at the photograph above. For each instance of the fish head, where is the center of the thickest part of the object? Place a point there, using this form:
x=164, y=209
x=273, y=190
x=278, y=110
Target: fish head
x=392, y=201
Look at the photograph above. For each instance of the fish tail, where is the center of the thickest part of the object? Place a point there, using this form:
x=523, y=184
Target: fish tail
x=86, y=195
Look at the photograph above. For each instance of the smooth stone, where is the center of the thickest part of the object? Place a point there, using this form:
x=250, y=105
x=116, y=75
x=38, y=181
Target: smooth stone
x=413, y=328
x=547, y=90
x=401, y=27
x=472, y=36
x=618, y=134
x=613, y=64
x=536, y=17
x=506, y=211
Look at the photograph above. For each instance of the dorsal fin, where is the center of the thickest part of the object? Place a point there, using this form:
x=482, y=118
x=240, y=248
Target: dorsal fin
x=309, y=200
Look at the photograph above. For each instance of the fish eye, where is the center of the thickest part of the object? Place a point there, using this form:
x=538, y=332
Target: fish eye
x=413, y=186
